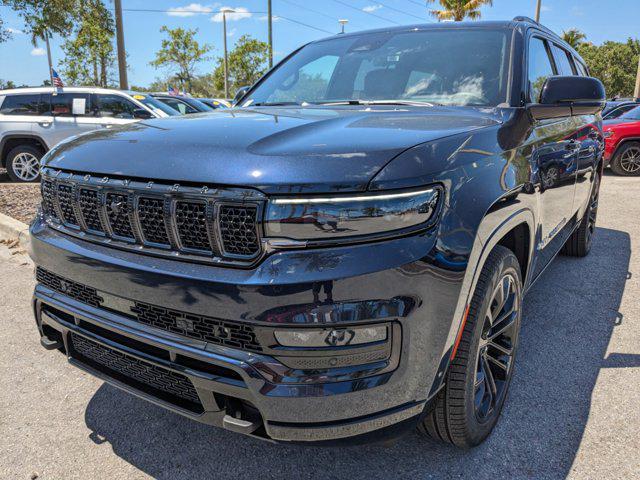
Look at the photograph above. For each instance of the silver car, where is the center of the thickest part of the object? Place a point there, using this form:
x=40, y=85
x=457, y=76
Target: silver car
x=33, y=120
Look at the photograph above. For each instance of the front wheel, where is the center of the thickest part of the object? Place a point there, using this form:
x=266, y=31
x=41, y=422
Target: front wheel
x=468, y=406
x=627, y=160
x=23, y=163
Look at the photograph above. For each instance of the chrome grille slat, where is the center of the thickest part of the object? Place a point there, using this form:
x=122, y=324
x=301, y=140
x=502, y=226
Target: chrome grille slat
x=196, y=224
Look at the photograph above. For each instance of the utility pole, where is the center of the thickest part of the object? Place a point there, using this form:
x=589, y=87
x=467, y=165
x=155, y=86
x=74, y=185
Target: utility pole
x=343, y=22
x=636, y=91
x=46, y=39
x=122, y=56
x=538, y=6
x=226, y=60
x=269, y=15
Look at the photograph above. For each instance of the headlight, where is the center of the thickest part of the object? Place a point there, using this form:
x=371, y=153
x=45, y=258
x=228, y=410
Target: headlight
x=320, y=218
x=331, y=337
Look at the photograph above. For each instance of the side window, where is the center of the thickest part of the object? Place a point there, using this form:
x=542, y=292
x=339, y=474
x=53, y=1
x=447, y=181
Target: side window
x=21, y=105
x=62, y=104
x=581, y=69
x=540, y=67
x=179, y=105
x=563, y=61
x=616, y=112
x=115, y=106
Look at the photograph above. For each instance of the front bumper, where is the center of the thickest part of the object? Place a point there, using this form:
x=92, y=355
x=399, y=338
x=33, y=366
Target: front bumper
x=247, y=391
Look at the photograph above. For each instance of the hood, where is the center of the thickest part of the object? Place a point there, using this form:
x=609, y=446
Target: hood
x=274, y=150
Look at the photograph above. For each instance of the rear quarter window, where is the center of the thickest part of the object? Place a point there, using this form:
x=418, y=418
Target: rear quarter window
x=28, y=104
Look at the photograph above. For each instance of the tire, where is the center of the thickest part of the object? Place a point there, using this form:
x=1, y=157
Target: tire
x=579, y=243
x=626, y=161
x=23, y=163
x=457, y=417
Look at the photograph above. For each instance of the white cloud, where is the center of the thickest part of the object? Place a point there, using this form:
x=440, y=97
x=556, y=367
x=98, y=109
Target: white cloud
x=232, y=32
x=38, y=52
x=371, y=8
x=189, y=10
x=15, y=31
x=238, y=13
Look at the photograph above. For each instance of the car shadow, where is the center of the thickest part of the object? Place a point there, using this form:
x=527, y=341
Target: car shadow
x=569, y=317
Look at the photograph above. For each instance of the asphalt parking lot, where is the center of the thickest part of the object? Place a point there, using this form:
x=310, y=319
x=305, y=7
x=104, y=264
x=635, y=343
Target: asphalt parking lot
x=573, y=410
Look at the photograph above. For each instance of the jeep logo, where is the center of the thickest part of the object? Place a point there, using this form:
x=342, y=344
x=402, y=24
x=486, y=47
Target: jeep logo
x=116, y=207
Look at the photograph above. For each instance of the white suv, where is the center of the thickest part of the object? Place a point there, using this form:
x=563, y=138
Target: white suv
x=32, y=120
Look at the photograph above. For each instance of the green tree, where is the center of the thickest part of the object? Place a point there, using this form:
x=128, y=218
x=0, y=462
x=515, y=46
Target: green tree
x=42, y=17
x=90, y=56
x=4, y=34
x=614, y=63
x=6, y=85
x=247, y=63
x=458, y=10
x=181, y=52
x=573, y=37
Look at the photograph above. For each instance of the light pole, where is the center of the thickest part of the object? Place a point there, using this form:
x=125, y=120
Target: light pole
x=538, y=6
x=226, y=60
x=343, y=22
x=269, y=15
x=122, y=56
x=636, y=91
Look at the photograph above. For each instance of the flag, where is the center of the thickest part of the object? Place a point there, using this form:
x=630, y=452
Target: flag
x=173, y=91
x=57, y=81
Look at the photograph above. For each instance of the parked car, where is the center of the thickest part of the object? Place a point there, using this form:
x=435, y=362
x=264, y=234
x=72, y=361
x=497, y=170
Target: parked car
x=342, y=255
x=32, y=120
x=622, y=143
x=182, y=104
x=614, y=109
x=216, y=103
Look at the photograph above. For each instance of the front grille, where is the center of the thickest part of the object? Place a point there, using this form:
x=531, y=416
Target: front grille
x=145, y=376
x=219, y=332
x=219, y=225
x=191, y=224
x=49, y=198
x=90, y=208
x=67, y=200
x=68, y=287
x=238, y=230
x=117, y=206
x=152, y=224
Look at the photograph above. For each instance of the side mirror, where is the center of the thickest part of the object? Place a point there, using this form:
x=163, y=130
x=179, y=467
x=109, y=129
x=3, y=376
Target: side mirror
x=240, y=93
x=566, y=96
x=142, y=114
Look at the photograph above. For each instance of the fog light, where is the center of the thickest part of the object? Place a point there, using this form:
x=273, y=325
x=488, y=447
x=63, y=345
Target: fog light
x=331, y=337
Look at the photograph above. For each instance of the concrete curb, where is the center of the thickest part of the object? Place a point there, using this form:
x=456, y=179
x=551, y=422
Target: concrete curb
x=12, y=229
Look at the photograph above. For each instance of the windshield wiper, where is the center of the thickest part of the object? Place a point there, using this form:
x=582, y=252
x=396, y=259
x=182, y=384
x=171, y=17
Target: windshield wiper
x=273, y=104
x=378, y=102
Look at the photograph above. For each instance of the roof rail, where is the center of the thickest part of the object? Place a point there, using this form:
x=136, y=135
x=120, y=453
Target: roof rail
x=523, y=18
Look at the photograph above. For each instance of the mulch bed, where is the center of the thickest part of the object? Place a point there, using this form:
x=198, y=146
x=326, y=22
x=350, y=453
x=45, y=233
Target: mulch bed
x=19, y=200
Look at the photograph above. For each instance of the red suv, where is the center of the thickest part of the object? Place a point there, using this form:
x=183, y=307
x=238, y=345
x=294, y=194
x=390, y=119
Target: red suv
x=622, y=143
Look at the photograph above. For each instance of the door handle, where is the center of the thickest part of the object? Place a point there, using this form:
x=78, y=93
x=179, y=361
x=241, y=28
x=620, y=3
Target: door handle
x=44, y=124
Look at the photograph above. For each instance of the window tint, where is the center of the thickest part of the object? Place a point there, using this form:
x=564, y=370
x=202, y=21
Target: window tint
x=115, y=106
x=616, y=112
x=21, y=105
x=62, y=104
x=563, y=61
x=540, y=67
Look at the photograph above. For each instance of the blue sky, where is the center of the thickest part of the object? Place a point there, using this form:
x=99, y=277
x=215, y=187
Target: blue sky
x=20, y=62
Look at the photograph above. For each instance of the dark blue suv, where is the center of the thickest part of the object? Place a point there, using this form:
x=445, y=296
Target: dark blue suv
x=342, y=255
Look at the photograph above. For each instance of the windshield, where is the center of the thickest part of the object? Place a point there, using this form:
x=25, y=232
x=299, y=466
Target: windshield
x=633, y=114
x=441, y=66
x=154, y=104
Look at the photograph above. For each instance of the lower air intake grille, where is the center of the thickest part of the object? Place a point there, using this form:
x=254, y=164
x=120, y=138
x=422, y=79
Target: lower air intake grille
x=69, y=288
x=162, y=383
x=219, y=332
x=238, y=230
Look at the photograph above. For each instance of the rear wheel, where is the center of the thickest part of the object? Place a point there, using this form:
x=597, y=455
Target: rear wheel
x=468, y=406
x=23, y=163
x=579, y=243
x=627, y=160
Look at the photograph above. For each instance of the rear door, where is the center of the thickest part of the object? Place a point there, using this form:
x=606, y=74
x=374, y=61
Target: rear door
x=553, y=155
x=64, y=115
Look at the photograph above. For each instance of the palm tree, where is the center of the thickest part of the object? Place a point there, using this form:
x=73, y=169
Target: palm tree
x=458, y=10
x=573, y=37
